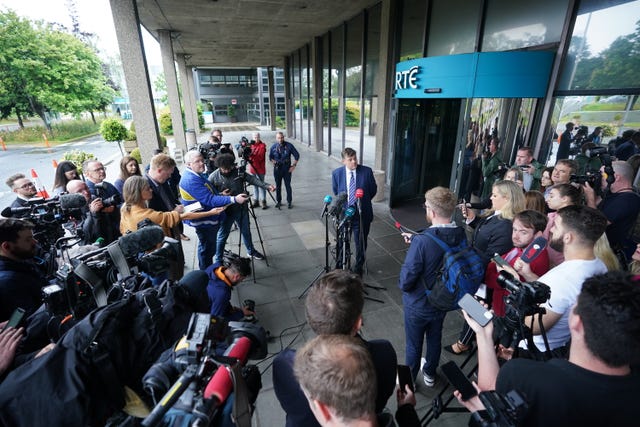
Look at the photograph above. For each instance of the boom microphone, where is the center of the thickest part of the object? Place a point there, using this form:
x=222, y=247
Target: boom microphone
x=348, y=216
x=327, y=201
x=534, y=249
x=72, y=201
x=142, y=240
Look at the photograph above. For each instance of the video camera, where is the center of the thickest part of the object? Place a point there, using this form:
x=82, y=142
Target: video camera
x=195, y=380
x=594, y=178
x=506, y=410
x=524, y=300
x=244, y=148
x=48, y=216
x=209, y=151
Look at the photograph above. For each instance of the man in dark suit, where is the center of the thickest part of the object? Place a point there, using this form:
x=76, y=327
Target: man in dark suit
x=24, y=189
x=349, y=179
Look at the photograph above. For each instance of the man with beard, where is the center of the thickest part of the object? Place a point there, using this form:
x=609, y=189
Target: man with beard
x=20, y=282
x=574, y=233
x=25, y=189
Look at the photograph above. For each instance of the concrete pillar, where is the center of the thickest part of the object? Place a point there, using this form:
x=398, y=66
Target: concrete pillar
x=171, y=78
x=187, y=95
x=289, y=102
x=127, y=26
x=384, y=83
x=194, y=99
x=316, y=92
x=271, y=78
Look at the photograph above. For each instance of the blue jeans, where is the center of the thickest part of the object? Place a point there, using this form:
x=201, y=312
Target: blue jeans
x=259, y=193
x=280, y=174
x=206, y=244
x=417, y=326
x=241, y=217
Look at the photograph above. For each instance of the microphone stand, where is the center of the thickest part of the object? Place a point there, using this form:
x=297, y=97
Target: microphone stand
x=327, y=244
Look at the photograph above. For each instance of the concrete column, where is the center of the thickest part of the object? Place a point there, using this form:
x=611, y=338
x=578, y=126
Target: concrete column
x=187, y=95
x=127, y=25
x=288, y=102
x=316, y=92
x=384, y=83
x=271, y=78
x=194, y=99
x=171, y=78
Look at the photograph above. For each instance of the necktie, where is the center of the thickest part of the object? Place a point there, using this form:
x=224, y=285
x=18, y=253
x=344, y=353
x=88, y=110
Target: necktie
x=352, y=189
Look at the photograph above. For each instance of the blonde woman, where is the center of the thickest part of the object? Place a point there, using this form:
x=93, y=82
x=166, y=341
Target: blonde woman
x=136, y=194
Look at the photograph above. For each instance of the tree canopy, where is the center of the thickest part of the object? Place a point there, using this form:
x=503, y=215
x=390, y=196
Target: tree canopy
x=44, y=70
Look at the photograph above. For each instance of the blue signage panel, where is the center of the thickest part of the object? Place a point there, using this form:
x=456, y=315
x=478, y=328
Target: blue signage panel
x=475, y=75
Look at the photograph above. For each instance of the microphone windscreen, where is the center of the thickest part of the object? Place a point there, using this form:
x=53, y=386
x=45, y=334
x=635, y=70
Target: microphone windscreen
x=72, y=201
x=219, y=386
x=6, y=212
x=534, y=249
x=349, y=212
x=359, y=193
x=142, y=240
x=239, y=349
x=328, y=199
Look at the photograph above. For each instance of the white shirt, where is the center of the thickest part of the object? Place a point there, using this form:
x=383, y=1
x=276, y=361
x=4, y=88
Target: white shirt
x=349, y=176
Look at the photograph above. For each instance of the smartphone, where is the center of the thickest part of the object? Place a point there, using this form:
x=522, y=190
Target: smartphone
x=475, y=310
x=16, y=318
x=404, y=378
x=500, y=261
x=458, y=380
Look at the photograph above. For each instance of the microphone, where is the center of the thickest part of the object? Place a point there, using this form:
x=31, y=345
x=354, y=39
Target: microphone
x=9, y=212
x=348, y=216
x=359, y=194
x=72, y=201
x=338, y=202
x=220, y=385
x=534, y=249
x=401, y=228
x=142, y=240
x=327, y=201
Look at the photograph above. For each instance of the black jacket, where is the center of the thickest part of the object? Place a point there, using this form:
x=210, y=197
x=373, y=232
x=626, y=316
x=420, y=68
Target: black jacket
x=20, y=286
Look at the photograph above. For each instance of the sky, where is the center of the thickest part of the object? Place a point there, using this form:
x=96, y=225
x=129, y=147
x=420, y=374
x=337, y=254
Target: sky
x=94, y=16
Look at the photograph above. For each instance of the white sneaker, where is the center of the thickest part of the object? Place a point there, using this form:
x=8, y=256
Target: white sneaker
x=429, y=381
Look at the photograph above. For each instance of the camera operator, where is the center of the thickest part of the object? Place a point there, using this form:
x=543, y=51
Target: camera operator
x=575, y=232
x=221, y=281
x=24, y=189
x=621, y=205
x=280, y=155
x=531, y=168
x=93, y=225
x=194, y=188
x=587, y=163
x=333, y=307
x=20, y=281
x=95, y=175
x=257, y=168
x=596, y=386
x=225, y=147
x=564, y=144
x=229, y=180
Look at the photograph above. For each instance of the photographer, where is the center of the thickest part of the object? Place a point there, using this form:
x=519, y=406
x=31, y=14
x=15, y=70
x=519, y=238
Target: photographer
x=20, y=281
x=221, y=281
x=596, y=386
x=95, y=175
x=24, y=189
x=257, y=168
x=93, y=225
x=230, y=181
x=621, y=205
x=531, y=168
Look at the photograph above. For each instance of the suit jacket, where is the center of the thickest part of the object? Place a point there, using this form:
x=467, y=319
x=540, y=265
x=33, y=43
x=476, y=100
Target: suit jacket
x=364, y=180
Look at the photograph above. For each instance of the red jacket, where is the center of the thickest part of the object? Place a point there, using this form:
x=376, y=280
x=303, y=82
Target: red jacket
x=539, y=266
x=258, y=150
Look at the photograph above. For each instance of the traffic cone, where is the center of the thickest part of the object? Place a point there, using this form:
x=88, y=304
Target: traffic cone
x=4, y=147
x=55, y=163
x=42, y=192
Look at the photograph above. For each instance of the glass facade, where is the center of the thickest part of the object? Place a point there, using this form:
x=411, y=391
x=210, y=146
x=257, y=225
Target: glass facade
x=453, y=25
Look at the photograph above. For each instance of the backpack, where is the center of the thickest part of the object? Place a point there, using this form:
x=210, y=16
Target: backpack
x=461, y=272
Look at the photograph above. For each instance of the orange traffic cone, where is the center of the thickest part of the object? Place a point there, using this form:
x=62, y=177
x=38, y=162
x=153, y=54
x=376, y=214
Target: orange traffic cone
x=42, y=192
x=55, y=163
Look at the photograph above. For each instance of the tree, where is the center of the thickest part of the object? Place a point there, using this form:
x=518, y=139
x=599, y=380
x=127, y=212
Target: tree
x=43, y=70
x=114, y=130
